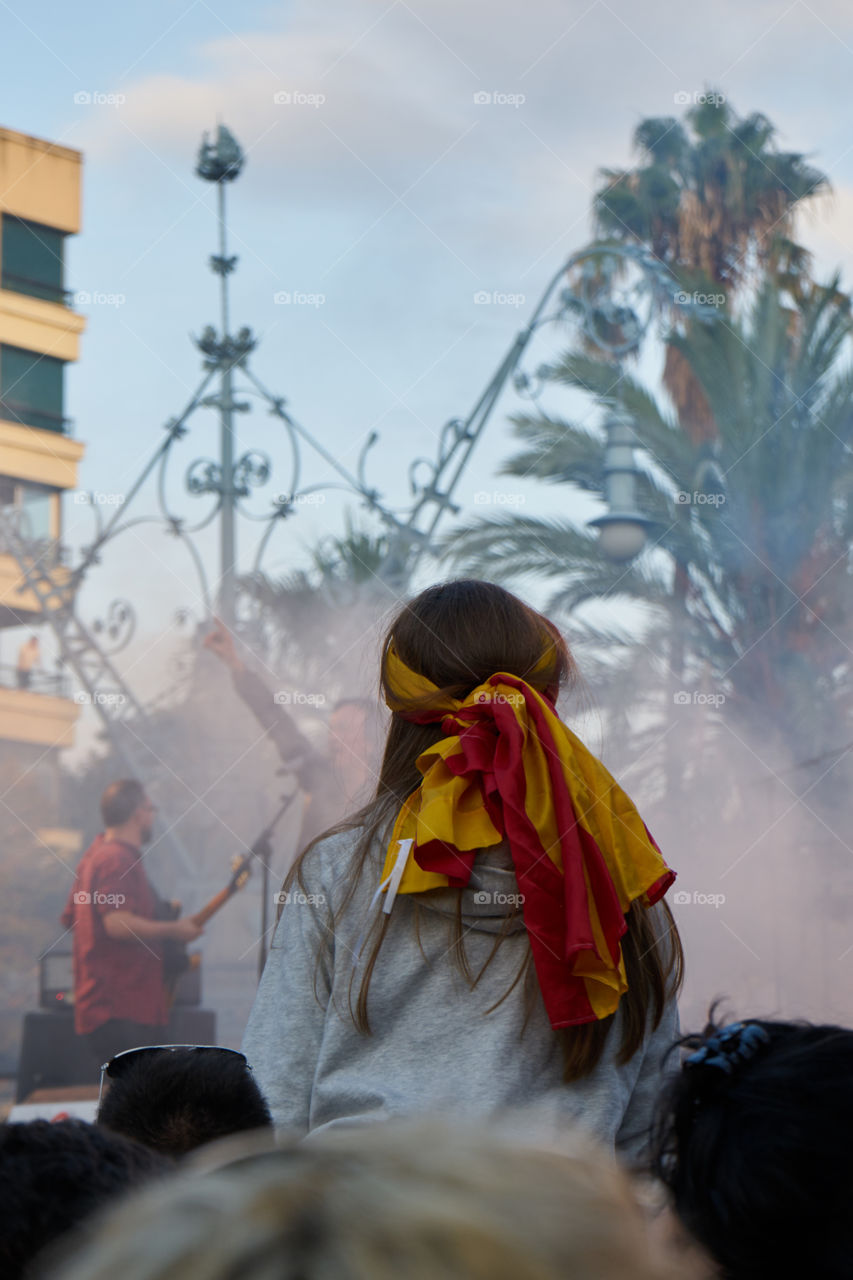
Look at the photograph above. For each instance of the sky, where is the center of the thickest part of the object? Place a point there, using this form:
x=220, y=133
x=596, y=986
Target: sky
x=402, y=159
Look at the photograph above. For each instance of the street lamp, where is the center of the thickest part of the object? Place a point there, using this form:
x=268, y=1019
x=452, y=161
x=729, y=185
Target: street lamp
x=221, y=162
x=623, y=529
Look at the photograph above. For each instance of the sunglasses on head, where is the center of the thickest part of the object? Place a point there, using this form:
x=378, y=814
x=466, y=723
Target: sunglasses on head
x=117, y=1065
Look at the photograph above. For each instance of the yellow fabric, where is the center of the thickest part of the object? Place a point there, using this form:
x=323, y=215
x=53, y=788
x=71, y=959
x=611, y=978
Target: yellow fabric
x=451, y=809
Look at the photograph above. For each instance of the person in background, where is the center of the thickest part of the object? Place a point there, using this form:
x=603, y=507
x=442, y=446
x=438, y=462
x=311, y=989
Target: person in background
x=53, y=1176
x=488, y=932
x=29, y=656
x=120, y=997
x=174, y=1099
x=334, y=780
x=431, y=1201
x=751, y=1142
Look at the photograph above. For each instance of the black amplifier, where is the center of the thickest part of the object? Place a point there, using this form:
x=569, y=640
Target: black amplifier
x=56, y=982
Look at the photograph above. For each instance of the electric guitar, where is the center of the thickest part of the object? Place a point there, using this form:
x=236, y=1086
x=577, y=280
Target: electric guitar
x=176, y=958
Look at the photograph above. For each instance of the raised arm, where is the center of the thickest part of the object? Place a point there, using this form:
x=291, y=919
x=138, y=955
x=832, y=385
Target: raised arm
x=292, y=746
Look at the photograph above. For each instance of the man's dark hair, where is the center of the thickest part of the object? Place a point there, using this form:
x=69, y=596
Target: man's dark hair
x=752, y=1143
x=53, y=1176
x=176, y=1101
x=121, y=800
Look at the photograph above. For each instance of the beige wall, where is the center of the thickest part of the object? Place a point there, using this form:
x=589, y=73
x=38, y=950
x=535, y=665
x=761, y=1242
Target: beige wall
x=40, y=180
x=22, y=604
x=47, y=327
x=45, y=457
x=37, y=717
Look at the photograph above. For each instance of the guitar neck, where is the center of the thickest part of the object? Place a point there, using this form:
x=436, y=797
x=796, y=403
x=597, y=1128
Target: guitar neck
x=201, y=917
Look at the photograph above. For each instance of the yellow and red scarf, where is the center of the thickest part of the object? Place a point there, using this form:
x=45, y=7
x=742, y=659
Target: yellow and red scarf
x=510, y=769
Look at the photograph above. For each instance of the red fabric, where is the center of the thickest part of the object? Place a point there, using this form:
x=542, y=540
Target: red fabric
x=113, y=979
x=555, y=904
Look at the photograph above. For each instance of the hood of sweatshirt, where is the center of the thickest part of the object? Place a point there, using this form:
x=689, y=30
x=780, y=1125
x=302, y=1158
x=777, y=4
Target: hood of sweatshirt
x=491, y=895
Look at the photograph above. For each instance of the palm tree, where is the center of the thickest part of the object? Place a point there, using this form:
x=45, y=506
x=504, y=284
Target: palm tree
x=313, y=622
x=759, y=529
x=715, y=201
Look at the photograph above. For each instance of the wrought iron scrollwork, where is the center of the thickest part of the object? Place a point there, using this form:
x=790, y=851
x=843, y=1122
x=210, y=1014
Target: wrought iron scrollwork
x=117, y=628
x=204, y=476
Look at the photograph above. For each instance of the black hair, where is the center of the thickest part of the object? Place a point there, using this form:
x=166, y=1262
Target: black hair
x=121, y=800
x=176, y=1101
x=752, y=1146
x=53, y=1176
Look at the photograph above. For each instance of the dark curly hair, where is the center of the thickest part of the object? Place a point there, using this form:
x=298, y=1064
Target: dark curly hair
x=751, y=1141
x=53, y=1177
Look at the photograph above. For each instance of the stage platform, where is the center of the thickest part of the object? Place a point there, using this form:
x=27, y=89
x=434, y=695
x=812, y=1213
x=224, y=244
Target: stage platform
x=54, y=1058
x=79, y=1102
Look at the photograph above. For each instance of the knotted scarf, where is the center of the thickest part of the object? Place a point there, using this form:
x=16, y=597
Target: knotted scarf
x=509, y=769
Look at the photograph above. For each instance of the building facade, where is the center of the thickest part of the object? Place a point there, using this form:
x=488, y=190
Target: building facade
x=39, y=336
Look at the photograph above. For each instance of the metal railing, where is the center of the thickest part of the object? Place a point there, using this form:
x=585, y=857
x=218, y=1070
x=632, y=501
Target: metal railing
x=35, y=288
x=28, y=416
x=57, y=684
x=49, y=552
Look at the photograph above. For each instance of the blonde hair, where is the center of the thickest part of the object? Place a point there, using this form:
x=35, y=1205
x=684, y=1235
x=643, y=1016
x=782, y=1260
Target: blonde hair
x=411, y=1199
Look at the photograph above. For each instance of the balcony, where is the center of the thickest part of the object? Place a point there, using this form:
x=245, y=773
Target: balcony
x=40, y=715
x=39, y=457
x=56, y=684
x=39, y=323
x=27, y=416
x=35, y=288
x=17, y=605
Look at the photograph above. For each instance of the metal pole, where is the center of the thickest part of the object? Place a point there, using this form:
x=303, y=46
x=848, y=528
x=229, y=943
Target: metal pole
x=227, y=548
x=262, y=850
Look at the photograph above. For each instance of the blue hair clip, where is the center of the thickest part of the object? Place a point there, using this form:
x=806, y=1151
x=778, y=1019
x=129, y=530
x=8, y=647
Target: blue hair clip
x=730, y=1047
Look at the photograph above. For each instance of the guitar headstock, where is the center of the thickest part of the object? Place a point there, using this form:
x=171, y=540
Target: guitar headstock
x=241, y=869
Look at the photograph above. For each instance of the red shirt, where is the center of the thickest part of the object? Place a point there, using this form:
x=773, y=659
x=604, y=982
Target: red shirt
x=113, y=979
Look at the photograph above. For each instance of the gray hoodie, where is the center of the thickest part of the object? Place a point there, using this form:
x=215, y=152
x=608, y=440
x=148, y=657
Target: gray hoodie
x=436, y=1044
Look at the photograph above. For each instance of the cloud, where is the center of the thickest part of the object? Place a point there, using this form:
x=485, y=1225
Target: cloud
x=826, y=232
x=399, y=196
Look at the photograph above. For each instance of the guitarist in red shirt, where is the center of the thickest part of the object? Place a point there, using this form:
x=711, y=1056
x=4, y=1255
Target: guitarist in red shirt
x=120, y=999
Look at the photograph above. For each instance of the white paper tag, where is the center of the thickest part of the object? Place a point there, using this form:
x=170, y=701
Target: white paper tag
x=403, y=847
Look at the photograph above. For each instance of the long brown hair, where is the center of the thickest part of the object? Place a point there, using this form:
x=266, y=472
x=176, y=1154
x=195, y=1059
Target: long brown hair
x=457, y=634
